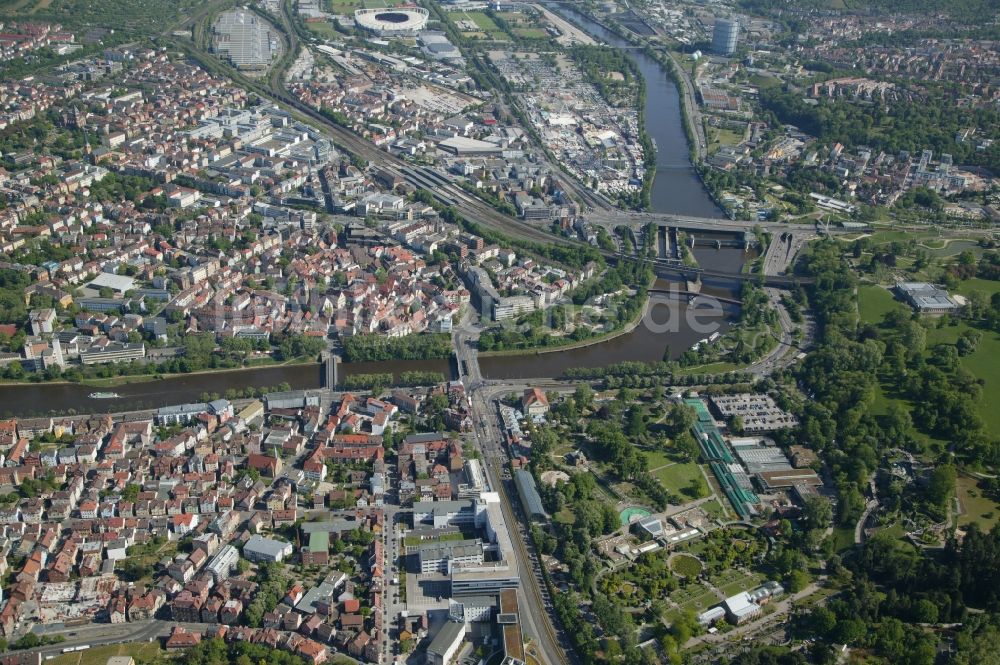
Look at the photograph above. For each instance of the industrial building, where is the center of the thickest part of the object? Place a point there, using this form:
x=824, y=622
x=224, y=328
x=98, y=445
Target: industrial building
x=530, y=500
x=725, y=35
x=245, y=39
x=259, y=548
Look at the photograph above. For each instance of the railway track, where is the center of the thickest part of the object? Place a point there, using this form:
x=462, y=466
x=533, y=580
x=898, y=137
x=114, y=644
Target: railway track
x=538, y=589
x=445, y=191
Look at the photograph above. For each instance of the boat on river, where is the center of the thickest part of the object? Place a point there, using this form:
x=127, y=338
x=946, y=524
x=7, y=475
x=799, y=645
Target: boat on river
x=103, y=395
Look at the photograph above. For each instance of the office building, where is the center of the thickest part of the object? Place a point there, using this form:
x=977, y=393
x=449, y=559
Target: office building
x=445, y=644
x=440, y=557
x=446, y=513
x=494, y=576
x=116, y=352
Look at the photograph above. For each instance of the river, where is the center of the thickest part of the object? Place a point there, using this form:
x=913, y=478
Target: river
x=676, y=189
x=44, y=398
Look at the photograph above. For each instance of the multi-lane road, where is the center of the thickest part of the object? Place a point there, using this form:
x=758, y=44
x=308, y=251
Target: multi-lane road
x=537, y=620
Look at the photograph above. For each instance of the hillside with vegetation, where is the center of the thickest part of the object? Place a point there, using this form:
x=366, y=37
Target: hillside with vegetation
x=971, y=11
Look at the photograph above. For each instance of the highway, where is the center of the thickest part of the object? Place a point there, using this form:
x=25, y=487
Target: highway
x=778, y=258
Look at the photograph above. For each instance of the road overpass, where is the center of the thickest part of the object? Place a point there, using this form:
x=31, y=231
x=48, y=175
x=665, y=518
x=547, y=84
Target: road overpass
x=612, y=219
x=669, y=270
x=694, y=296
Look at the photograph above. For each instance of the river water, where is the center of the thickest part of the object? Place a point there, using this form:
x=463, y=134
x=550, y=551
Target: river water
x=677, y=187
x=673, y=324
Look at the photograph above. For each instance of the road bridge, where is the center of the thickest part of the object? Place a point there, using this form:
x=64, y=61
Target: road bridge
x=694, y=295
x=612, y=219
x=670, y=269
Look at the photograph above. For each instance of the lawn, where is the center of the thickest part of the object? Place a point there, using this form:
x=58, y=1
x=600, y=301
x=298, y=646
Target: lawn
x=731, y=582
x=322, y=29
x=413, y=541
x=984, y=363
x=956, y=247
x=677, y=478
x=686, y=565
x=843, y=538
x=718, y=137
x=487, y=27
x=987, y=286
x=17, y=6
x=695, y=597
x=711, y=368
x=898, y=533
x=885, y=237
x=564, y=516
x=141, y=651
x=483, y=22
x=531, y=33
x=657, y=458
x=713, y=509
x=344, y=6
x=975, y=506
x=874, y=303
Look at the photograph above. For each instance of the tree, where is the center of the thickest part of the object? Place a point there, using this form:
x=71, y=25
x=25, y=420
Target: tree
x=941, y=485
x=636, y=426
x=817, y=512
x=797, y=580
x=680, y=419
x=925, y=611
x=849, y=631
x=686, y=447
x=979, y=647
x=821, y=621
x=968, y=342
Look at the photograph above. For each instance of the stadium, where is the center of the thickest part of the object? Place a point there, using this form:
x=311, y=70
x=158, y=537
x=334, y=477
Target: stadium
x=396, y=21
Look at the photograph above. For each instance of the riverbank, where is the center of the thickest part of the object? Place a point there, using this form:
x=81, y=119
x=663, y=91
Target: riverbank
x=132, y=379
x=582, y=344
x=676, y=136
